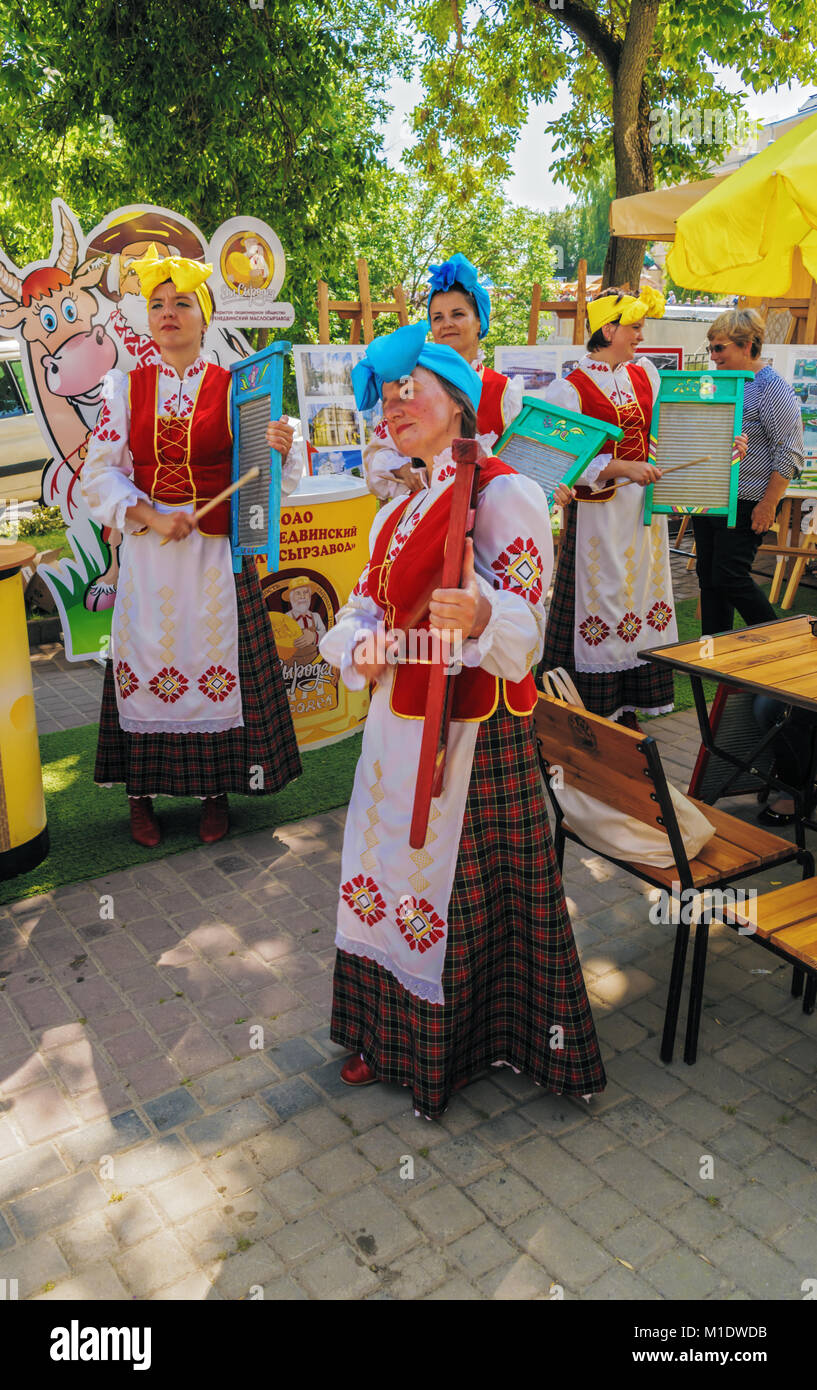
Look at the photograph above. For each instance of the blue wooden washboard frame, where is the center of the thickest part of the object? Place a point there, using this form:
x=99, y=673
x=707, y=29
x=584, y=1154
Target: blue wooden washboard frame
x=708, y=489
x=551, y=445
x=256, y=398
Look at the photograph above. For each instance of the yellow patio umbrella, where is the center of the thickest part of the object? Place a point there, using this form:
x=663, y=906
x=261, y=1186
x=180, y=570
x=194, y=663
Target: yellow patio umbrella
x=741, y=237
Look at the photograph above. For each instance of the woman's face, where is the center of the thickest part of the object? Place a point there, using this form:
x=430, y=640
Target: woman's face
x=175, y=319
x=728, y=356
x=421, y=416
x=625, y=339
x=454, y=323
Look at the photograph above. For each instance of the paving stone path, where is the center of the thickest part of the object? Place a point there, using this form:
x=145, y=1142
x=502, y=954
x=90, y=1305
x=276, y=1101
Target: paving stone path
x=173, y=1126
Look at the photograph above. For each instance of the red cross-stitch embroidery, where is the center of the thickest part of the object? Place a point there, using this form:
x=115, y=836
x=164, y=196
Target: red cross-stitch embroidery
x=594, y=630
x=629, y=627
x=169, y=685
x=660, y=615
x=520, y=569
x=127, y=679
x=363, y=896
x=419, y=923
x=217, y=683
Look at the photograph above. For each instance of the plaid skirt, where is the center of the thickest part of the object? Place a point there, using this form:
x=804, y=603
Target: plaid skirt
x=513, y=984
x=208, y=764
x=648, y=687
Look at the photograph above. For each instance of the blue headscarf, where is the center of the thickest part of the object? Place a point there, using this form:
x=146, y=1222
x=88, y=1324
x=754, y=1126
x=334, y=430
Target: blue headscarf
x=394, y=357
x=459, y=273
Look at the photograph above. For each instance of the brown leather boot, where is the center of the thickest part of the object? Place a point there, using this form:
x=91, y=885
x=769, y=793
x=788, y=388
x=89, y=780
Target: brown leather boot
x=144, y=827
x=215, y=819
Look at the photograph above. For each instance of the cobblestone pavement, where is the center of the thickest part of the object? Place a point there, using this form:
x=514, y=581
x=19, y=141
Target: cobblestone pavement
x=154, y=1143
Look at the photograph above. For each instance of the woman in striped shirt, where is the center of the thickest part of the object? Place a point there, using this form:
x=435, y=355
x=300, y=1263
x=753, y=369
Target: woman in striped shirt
x=773, y=428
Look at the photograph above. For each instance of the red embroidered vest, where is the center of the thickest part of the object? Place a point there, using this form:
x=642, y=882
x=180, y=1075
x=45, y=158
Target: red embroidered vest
x=490, y=419
x=633, y=418
x=398, y=584
x=180, y=461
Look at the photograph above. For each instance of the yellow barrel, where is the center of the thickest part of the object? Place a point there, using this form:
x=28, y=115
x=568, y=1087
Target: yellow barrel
x=325, y=527
x=23, y=831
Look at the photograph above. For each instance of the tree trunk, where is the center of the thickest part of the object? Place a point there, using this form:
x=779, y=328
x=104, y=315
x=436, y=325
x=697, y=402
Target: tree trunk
x=632, y=151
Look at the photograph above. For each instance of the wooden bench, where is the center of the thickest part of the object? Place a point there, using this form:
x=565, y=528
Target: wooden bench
x=623, y=770
x=785, y=922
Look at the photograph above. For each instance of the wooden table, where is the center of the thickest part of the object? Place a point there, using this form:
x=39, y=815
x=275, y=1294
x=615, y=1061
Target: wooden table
x=776, y=659
x=796, y=542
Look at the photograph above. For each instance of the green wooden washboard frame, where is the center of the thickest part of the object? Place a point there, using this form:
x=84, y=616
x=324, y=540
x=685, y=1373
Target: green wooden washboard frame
x=550, y=445
x=696, y=413
x=256, y=399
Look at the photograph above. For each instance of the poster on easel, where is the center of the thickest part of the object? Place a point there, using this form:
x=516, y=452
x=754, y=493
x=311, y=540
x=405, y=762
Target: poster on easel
x=538, y=366
x=798, y=364
x=334, y=430
x=77, y=314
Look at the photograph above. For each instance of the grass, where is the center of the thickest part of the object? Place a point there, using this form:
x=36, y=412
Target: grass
x=89, y=827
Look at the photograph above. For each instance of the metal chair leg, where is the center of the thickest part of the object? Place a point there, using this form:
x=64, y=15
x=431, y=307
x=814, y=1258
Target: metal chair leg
x=696, y=992
x=676, y=981
x=796, y=982
x=810, y=995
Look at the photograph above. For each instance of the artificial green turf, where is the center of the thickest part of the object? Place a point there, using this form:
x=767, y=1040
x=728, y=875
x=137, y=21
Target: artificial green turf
x=89, y=826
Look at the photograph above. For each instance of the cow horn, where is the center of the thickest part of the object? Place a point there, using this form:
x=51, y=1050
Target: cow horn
x=11, y=285
x=67, y=258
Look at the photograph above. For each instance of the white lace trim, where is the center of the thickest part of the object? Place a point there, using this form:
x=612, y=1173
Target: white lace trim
x=422, y=989
x=161, y=726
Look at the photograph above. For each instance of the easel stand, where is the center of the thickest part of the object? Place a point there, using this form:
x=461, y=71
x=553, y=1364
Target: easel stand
x=563, y=308
x=362, y=312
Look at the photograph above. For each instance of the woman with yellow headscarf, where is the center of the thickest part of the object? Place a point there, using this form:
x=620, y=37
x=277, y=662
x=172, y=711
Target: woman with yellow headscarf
x=193, y=702
x=613, y=589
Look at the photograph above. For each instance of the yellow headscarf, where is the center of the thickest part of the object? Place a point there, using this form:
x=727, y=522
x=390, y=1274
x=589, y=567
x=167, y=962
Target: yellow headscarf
x=187, y=275
x=649, y=304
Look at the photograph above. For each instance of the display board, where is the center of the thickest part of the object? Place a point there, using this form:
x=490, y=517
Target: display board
x=696, y=415
x=551, y=445
x=256, y=399
x=334, y=429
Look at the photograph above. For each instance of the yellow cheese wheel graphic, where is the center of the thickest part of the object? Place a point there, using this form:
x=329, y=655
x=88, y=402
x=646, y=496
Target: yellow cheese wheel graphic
x=23, y=831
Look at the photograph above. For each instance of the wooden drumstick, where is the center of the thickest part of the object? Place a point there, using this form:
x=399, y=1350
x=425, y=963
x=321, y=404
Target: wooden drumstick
x=673, y=468
x=222, y=497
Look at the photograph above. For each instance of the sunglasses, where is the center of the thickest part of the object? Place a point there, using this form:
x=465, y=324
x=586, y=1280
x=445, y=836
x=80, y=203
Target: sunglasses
x=718, y=347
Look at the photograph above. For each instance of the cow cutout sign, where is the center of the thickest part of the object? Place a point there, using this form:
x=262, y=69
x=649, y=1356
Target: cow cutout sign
x=77, y=314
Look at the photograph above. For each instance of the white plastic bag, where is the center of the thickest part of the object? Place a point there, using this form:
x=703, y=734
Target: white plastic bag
x=612, y=832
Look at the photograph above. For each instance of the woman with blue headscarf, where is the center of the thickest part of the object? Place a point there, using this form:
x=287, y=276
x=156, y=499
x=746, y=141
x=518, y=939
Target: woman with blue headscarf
x=460, y=955
x=459, y=315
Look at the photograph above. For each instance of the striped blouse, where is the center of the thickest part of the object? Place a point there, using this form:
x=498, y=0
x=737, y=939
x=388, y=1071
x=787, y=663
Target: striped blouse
x=774, y=428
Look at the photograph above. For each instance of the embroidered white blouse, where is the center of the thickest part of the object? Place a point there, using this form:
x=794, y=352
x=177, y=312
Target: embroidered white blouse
x=107, y=474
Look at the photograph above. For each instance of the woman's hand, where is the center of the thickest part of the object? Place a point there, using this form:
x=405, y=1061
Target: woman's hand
x=763, y=514
x=464, y=612
x=563, y=496
x=741, y=445
x=415, y=479
x=280, y=436
x=641, y=472
x=175, y=526
x=369, y=649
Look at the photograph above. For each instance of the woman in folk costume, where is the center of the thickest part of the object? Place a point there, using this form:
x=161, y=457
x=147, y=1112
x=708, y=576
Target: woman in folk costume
x=613, y=587
x=193, y=702
x=459, y=315
x=460, y=955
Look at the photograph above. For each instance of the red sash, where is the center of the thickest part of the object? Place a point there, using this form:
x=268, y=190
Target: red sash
x=490, y=419
x=181, y=461
x=634, y=417
x=398, y=585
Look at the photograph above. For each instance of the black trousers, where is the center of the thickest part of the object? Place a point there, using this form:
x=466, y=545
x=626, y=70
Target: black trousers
x=724, y=558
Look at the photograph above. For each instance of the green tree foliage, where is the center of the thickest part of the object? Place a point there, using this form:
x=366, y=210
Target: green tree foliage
x=209, y=107
x=582, y=230
x=484, y=63
x=410, y=225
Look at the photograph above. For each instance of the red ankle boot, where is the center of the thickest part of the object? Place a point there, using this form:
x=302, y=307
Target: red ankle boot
x=144, y=827
x=355, y=1072
x=215, y=819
